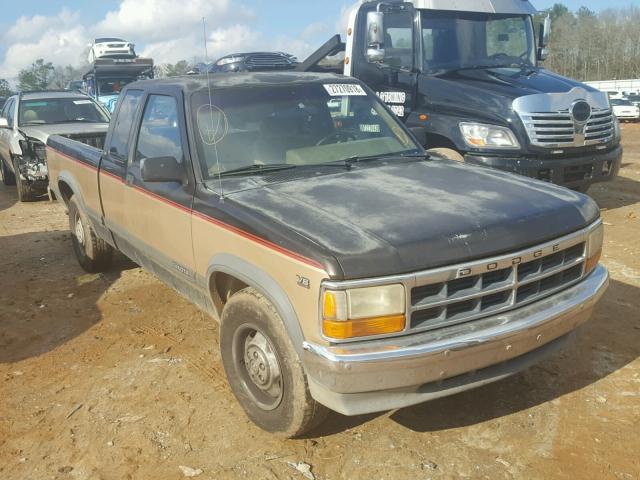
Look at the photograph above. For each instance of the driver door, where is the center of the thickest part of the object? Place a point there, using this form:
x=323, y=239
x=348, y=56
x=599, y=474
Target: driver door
x=158, y=214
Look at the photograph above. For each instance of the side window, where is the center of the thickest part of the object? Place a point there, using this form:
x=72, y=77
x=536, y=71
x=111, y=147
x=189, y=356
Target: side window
x=398, y=40
x=120, y=137
x=160, y=131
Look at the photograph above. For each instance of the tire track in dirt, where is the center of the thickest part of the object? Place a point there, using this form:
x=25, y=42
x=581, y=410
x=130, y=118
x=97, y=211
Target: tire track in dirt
x=206, y=367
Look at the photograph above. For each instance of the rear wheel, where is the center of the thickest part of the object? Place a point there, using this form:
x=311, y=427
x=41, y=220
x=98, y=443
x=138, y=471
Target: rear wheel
x=93, y=253
x=8, y=178
x=263, y=369
x=447, y=153
x=25, y=191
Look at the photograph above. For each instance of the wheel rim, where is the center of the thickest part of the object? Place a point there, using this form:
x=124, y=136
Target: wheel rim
x=79, y=230
x=258, y=366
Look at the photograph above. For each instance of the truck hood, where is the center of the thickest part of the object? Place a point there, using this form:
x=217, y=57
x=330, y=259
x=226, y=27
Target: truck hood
x=400, y=217
x=491, y=90
x=42, y=132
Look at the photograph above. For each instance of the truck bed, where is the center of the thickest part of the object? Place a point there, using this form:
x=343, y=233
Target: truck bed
x=76, y=164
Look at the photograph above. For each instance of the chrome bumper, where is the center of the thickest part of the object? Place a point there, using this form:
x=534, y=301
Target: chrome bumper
x=391, y=373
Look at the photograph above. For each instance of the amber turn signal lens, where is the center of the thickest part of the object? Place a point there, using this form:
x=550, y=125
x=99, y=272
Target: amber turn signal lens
x=329, y=307
x=592, y=262
x=363, y=327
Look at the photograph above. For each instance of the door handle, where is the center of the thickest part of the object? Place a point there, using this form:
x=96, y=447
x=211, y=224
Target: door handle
x=129, y=179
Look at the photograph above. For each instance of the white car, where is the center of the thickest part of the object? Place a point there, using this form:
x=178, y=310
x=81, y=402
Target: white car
x=625, y=110
x=111, y=47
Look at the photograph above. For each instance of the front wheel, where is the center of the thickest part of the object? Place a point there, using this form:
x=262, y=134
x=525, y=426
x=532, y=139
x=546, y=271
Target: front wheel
x=93, y=253
x=8, y=178
x=263, y=369
x=25, y=191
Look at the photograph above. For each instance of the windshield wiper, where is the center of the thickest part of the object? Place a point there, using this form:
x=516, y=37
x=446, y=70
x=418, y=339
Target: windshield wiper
x=257, y=168
x=75, y=120
x=367, y=158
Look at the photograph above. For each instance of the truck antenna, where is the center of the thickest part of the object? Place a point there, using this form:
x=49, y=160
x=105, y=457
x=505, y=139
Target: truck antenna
x=212, y=132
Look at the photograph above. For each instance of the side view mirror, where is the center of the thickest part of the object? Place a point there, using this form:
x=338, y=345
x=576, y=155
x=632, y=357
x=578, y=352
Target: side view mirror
x=161, y=169
x=89, y=44
x=375, y=36
x=545, y=32
x=4, y=123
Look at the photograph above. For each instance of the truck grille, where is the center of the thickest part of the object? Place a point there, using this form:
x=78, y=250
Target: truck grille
x=458, y=300
x=466, y=292
x=558, y=129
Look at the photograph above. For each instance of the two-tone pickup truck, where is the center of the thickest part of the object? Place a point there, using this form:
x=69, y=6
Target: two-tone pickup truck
x=347, y=268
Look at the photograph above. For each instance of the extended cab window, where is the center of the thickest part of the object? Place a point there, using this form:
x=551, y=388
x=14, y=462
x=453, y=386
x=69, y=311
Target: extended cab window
x=159, y=132
x=124, y=120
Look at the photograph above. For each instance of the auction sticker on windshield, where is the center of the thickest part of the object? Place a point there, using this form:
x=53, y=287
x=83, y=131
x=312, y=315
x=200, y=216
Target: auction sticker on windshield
x=340, y=89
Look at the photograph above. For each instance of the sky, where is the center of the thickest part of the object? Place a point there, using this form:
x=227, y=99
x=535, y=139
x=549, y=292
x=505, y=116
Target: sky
x=171, y=30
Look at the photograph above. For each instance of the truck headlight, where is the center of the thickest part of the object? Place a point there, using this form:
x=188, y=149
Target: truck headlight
x=594, y=247
x=616, y=128
x=480, y=135
x=361, y=312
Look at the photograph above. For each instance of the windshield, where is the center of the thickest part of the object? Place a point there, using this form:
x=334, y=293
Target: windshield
x=293, y=126
x=108, y=39
x=60, y=110
x=456, y=40
x=621, y=102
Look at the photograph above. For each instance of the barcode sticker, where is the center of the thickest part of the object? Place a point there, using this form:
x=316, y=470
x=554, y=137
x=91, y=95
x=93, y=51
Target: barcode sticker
x=340, y=89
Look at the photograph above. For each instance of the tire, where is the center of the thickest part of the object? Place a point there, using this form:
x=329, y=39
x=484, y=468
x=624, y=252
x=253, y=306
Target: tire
x=8, y=178
x=447, y=153
x=252, y=328
x=25, y=192
x=93, y=254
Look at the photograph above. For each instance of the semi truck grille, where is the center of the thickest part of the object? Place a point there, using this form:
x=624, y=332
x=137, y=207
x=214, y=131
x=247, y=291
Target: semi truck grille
x=439, y=304
x=558, y=129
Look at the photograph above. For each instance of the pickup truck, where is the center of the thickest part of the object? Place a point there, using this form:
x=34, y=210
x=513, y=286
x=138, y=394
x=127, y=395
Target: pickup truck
x=347, y=268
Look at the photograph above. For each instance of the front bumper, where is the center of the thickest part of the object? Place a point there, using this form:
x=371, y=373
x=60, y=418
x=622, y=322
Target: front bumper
x=573, y=172
x=386, y=374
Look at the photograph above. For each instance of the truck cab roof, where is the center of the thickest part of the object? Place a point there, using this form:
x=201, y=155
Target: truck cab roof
x=523, y=7
x=194, y=83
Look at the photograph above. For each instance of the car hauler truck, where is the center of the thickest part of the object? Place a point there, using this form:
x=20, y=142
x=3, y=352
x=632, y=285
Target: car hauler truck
x=107, y=77
x=466, y=76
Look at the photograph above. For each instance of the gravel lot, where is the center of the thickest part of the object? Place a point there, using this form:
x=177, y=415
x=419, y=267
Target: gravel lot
x=115, y=376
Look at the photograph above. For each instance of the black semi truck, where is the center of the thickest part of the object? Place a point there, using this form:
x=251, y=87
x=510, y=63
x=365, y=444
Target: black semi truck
x=467, y=77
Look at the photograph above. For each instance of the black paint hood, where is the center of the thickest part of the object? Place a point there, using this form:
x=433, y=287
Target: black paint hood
x=384, y=219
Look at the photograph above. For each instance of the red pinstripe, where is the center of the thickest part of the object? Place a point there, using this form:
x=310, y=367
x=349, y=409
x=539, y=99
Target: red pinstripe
x=215, y=221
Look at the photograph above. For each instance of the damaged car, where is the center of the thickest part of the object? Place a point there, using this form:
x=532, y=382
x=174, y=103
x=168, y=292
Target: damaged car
x=26, y=122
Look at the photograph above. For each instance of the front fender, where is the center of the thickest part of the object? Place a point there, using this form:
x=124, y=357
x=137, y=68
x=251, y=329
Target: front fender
x=260, y=280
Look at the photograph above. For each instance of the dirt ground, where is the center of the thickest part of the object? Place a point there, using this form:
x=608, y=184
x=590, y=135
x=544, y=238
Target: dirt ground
x=115, y=376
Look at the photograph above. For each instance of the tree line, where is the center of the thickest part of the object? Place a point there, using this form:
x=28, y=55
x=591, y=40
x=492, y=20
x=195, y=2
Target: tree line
x=584, y=45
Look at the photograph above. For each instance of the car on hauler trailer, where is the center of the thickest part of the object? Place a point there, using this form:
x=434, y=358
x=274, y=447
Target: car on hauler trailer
x=348, y=269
